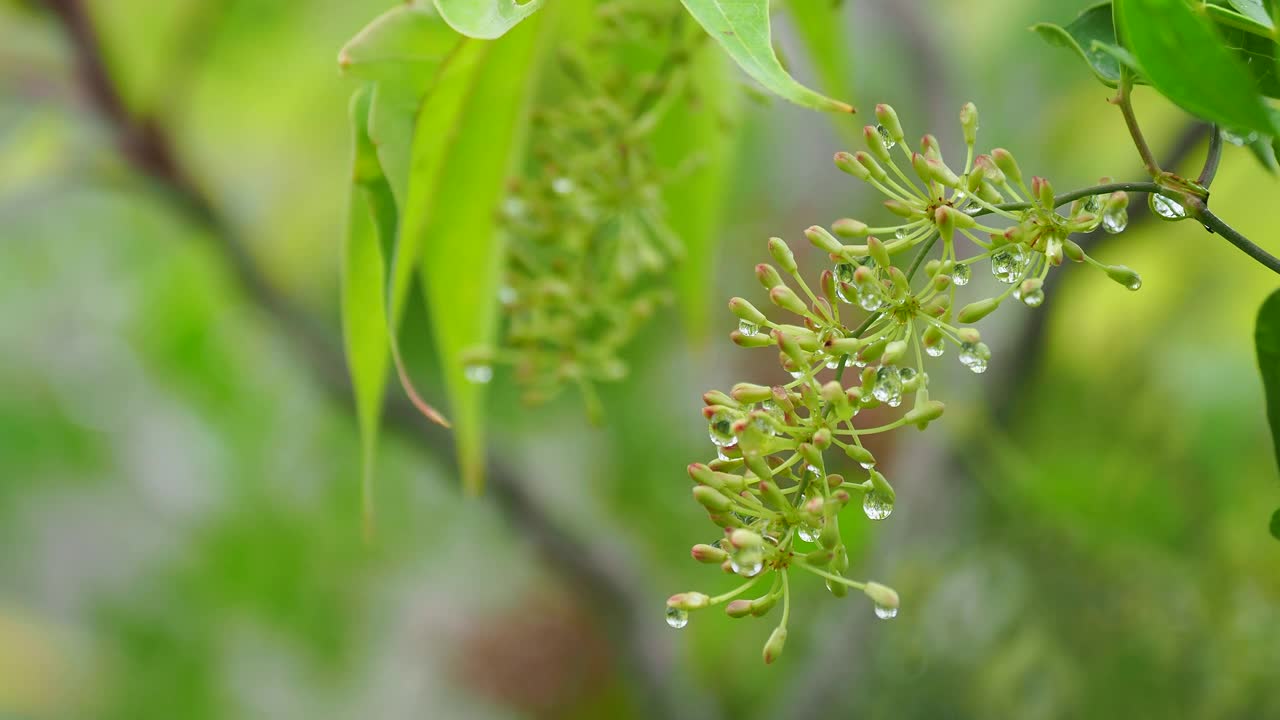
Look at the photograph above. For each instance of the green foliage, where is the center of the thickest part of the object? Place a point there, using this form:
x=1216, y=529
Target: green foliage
x=821, y=28
x=743, y=28
x=1267, y=341
x=1090, y=35
x=371, y=226
x=485, y=19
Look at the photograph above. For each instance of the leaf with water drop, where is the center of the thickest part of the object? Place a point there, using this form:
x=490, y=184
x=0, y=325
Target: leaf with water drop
x=1267, y=340
x=1184, y=57
x=744, y=30
x=1088, y=36
x=485, y=19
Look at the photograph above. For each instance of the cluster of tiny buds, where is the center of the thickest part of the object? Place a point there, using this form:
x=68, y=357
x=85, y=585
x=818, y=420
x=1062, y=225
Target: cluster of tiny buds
x=589, y=249
x=768, y=489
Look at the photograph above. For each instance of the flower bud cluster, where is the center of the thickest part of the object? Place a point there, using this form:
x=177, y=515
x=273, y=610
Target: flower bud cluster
x=858, y=340
x=589, y=249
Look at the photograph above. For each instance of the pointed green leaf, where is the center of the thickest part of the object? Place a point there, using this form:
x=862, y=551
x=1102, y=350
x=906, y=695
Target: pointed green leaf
x=1267, y=340
x=404, y=46
x=742, y=27
x=485, y=19
x=1254, y=10
x=700, y=131
x=821, y=27
x=1184, y=58
x=467, y=142
x=1086, y=36
x=371, y=218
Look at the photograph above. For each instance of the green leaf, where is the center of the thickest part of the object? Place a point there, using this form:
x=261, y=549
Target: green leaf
x=371, y=219
x=742, y=28
x=1254, y=10
x=485, y=19
x=404, y=46
x=820, y=25
x=1275, y=525
x=1264, y=151
x=1184, y=58
x=467, y=142
x=1087, y=36
x=1267, y=339
x=699, y=131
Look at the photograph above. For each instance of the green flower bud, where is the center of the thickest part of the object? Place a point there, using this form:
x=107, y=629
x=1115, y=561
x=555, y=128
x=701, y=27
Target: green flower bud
x=939, y=171
x=876, y=144
x=844, y=346
x=745, y=539
x=930, y=147
x=969, y=123
x=893, y=352
x=748, y=393
x=888, y=119
x=900, y=281
x=849, y=164
x=869, y=164
x=738, y=608
x=878, y=252
x=708, y=554
x=762, y=605
x=1043, y=191
x=744, y=310
x=1123, y=275
x=783, y=255
x=824, y=240
x=901, y=209
x=882, y=486
x=860, y=455
x=975, y=311
x=711, y=499
x=871, y=353
x=1053, y=251
x=822, y=437
x=1007, y=165
x=932, y=337
x=786, y=298
x=717, y=398
x=881, y=595
x=688, y=601
x=922, y=415
x=1118, y=200
x=920, y=164
x=773, y=648
x=757, y=340
x=849, y=228
x=969, y=335
x=819, y=557
x=1072, y=250
x=990, y=171
x=703, y=475
x=768, y=276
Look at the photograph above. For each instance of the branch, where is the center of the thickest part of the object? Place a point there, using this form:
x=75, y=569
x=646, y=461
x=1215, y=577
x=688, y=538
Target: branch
x=1214, y=224
x=1124, y=102
x=593, y=570
x=1211, y=158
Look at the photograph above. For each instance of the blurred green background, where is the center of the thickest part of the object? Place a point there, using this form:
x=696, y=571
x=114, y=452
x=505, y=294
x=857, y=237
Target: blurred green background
x=179, y=500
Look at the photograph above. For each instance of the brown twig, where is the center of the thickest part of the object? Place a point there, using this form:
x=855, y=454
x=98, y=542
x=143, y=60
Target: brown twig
x=592, y=569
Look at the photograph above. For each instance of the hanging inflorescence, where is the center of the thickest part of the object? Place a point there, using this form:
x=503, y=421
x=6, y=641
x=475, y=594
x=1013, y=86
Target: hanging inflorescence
x=769, y=488
x=589, y=246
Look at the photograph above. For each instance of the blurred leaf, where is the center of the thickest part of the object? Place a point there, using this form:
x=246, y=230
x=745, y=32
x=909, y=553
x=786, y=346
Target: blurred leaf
x=405, y=45
x=1258, y=54
x=485, y=19
x=1251, y=10
x=699, y=131
x=466, y=143
x=1275, y=525
x=1267, y=339
x=1184, y=58
x=742, y=28
x=821, y=27
x=1086, y=35
x=1264, y=151
x=371, y=222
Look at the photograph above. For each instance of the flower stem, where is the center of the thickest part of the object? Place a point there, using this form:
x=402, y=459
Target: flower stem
x=1123, y=101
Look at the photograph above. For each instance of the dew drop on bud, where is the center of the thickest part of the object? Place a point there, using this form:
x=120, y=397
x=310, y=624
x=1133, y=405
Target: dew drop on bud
x=1115, y=221
x=884, y=612
x=1007, y=264
x=889, y=142
x=1033, y=299
x=478, y=373
x=972, y=356
x=960, y=275
x=1167, y=208
x=888, y=387
x=876, y=506
x=807, y=533
x=677, y=618
x=720, y=429
x=902, y=233
x=748, y=328
x=1240, y=139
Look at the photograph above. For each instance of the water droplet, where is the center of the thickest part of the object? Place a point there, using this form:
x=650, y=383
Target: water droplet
x=876, y=506
x=507, y=295
x=960, y=274
x=888, y=386
x=907, y=374
x=478, y=373
x=513, y=207
x=677, y=618
x=868, y=465
x=902, y=233
x=1166, y=208
x=746, y=327
x=1239, y=138
x=1135, y=283
x=1115, y=220
x=889, y=142
x=562, y=185
x=869, y=297
x=934, y=350
x=1093, y=203
x=747, y=562
x=1033, y=299
x=974, y=356
x=884, y=612
x=720, y=429
x=807, y=533
x=1007, y=263
x=720, y=452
